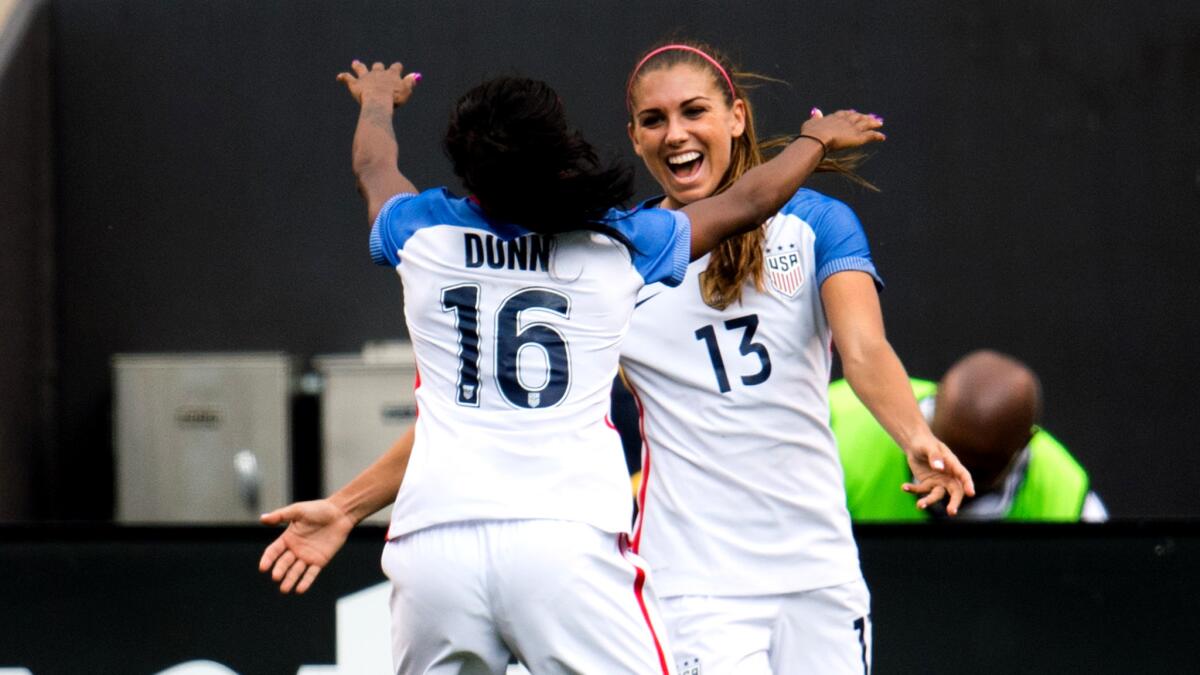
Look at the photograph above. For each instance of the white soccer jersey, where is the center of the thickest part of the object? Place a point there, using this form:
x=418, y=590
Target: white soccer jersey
x=742, y=492
x=516, y=338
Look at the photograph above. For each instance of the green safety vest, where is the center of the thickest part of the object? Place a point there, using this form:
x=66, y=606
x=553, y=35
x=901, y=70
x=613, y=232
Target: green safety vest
x=1054, y=487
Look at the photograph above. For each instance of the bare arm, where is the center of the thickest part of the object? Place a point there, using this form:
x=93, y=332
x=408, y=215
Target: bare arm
x=375, y=152
x=316, y=530
x=878, y=378
x=377, y=485
x=763, y=190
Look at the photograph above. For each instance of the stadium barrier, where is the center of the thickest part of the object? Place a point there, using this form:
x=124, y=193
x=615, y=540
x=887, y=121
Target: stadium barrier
x=980, y=598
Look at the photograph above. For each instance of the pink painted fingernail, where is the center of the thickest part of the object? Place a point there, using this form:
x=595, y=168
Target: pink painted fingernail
x=814, y=112
x=939, y=464
x=416, y=77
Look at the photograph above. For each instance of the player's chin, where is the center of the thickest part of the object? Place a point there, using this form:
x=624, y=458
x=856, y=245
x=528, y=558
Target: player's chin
x=689, y=194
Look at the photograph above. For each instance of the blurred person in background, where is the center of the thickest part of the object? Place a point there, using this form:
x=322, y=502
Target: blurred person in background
x=986, y=408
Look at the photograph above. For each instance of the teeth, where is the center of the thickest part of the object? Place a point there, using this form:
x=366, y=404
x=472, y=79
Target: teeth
x=684, y=158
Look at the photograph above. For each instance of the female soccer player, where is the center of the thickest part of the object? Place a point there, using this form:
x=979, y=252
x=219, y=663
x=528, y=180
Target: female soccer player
x=743, y=514
x=507, y=537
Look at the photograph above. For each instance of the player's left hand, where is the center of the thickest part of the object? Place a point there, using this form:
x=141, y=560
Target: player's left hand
x=937, y=473
x=315, y=532
x=379, y=82
x=843, y=129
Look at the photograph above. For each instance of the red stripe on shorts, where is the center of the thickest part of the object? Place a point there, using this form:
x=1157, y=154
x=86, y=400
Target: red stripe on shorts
x=639, y=582
x=416, y=386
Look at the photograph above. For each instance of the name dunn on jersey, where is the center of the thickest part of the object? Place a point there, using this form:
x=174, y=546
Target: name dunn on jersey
x=528, y=253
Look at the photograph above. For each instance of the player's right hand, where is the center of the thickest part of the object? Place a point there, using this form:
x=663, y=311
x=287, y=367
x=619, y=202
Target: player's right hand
x=937, y=474
x=844, y=129
x=316, y=531
x=379, y=82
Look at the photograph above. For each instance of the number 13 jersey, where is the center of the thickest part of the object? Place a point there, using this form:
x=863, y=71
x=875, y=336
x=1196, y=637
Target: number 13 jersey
x=516, y=338
x=742, y=492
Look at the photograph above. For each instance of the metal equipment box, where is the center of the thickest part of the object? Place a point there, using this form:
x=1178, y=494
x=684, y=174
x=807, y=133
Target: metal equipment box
x=201, y=437
x=367, y=402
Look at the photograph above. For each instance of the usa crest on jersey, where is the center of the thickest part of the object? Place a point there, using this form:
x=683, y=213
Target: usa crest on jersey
x=784, y=272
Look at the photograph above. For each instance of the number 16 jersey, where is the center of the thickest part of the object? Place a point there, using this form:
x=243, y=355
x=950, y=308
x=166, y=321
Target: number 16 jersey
x=516, y=337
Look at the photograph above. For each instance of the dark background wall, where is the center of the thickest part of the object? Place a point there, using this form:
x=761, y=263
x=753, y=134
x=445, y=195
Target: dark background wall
x=1041, y=186
x=26, y=258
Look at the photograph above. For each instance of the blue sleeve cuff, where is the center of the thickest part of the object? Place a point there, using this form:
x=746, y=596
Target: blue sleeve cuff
x=849, y=264
x=379, y=250
x=377, y=255
x=683, y=249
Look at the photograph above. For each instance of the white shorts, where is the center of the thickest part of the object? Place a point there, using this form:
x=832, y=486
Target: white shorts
x=827, y=630
x=562, y=597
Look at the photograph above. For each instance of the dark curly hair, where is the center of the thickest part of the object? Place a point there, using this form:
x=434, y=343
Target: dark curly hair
x=512, y=147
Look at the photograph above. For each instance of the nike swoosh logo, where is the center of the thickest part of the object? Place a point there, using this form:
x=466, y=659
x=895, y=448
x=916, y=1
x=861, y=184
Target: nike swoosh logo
x=644, y=300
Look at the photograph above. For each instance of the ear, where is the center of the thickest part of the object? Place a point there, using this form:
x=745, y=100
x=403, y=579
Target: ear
x=637, y=147
x=739, y=118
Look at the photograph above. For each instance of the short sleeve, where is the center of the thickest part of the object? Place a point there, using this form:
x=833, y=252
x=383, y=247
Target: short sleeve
x=841, y=243
x=391, y=230
x=662, y=243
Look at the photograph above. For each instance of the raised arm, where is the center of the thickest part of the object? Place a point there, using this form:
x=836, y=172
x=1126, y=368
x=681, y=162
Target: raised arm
x=375, y=153
x=880, y=382
x=763, y=190
x=316, y=530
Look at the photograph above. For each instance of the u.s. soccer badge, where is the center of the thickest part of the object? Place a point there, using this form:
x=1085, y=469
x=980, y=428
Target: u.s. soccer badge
x=784, y=272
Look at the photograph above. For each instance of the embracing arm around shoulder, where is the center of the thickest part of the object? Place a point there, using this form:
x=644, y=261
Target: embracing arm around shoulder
x=763, y=190
x=881, y=383
x=375, y=152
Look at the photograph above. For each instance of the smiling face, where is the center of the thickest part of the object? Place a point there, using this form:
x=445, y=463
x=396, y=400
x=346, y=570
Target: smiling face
x=683, y=129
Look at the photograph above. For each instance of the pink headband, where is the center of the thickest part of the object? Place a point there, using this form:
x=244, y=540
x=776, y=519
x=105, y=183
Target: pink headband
x=667, y=48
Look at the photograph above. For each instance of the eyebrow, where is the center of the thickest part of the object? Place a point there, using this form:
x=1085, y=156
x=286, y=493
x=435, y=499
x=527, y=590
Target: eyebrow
x=682, y=104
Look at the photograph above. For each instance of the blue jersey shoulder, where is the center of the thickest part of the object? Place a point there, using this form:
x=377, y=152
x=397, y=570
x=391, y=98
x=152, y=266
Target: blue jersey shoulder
x=660, y=238
x=841, y=243
x=813, y=207
x=661, y=242
x=405, y=214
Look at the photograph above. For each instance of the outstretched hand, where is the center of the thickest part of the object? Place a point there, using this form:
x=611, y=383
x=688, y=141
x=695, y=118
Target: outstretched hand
x=379, y=82
x=315, y=532
x=843, y=129
x=937, y=473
